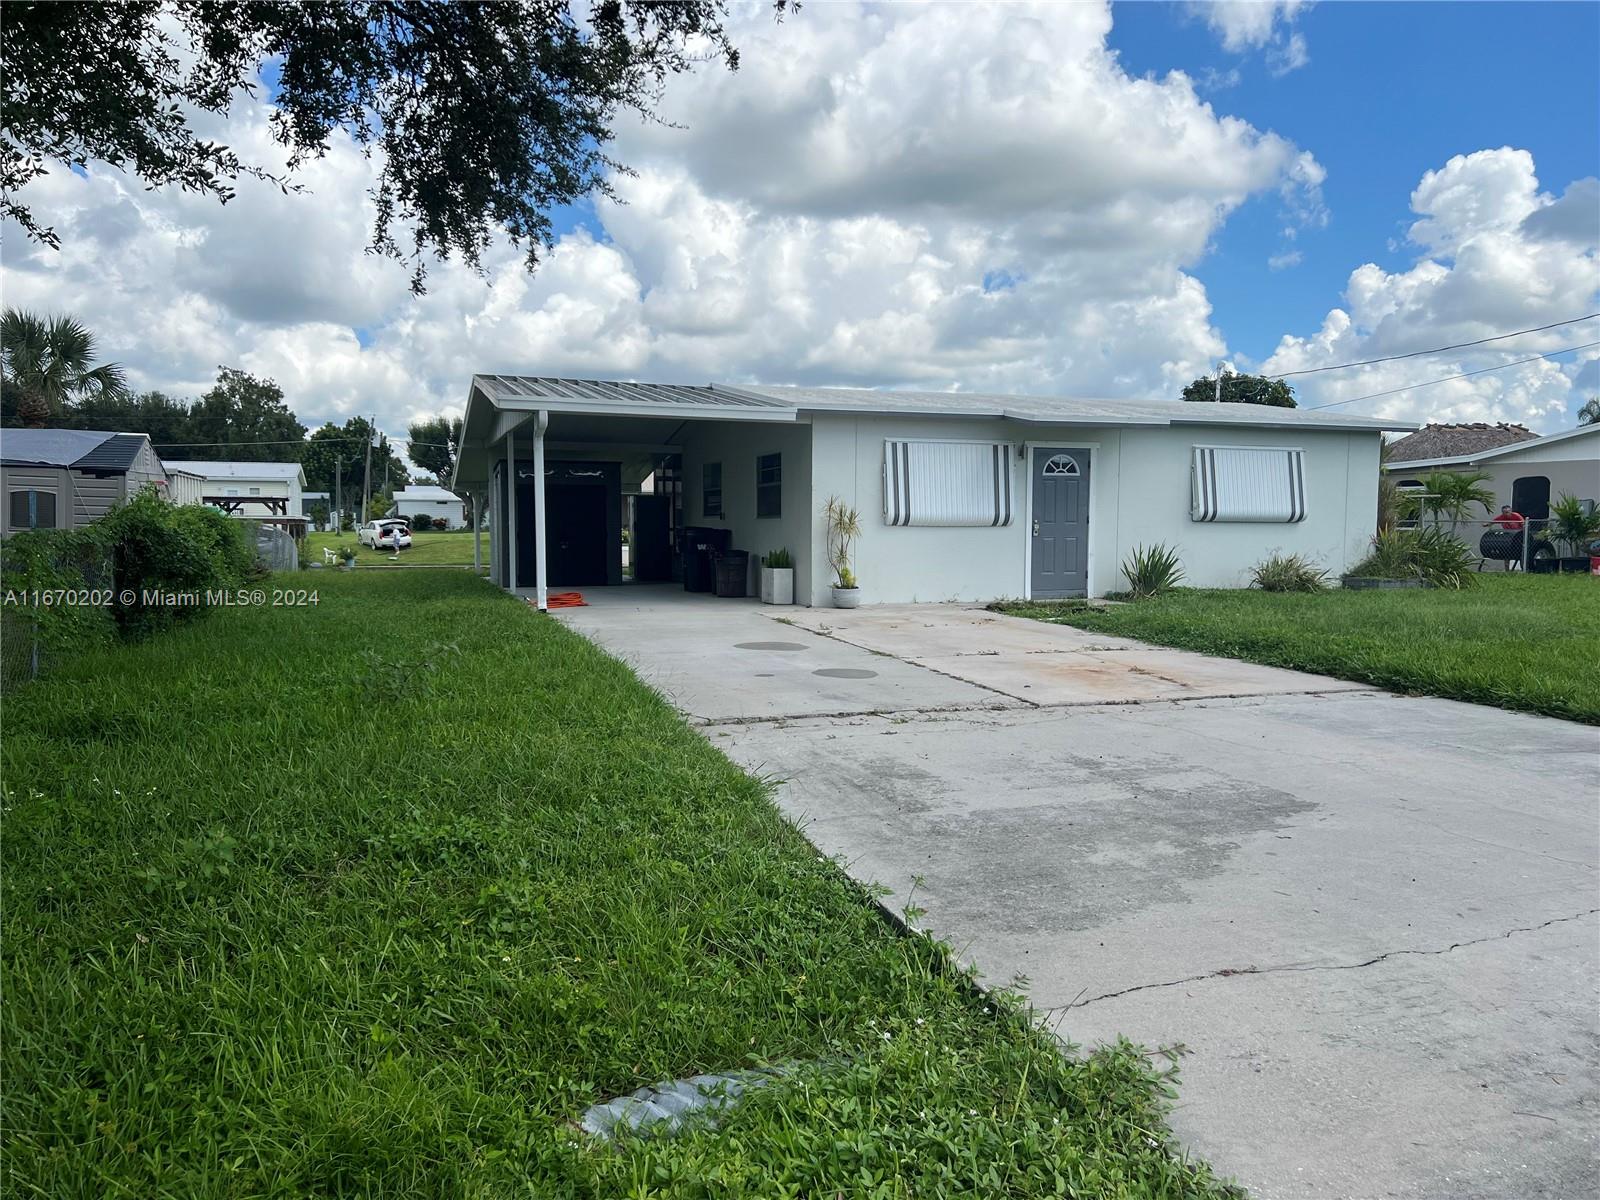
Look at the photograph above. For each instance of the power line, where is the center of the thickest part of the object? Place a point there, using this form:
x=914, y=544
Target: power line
x=1499, y=337
x=1446, y=379
x=292, y=442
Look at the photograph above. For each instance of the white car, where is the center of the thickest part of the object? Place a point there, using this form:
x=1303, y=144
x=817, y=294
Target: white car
x=392, y=534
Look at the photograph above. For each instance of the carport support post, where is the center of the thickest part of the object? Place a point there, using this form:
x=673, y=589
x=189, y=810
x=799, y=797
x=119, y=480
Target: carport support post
x=510, y=556
x=539, y=426
x=477, y=537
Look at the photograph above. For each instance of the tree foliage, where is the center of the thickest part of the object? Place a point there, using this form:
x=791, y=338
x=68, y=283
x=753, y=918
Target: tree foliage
x=336, y=454
x=242, y=418
x=48, y=363
x=434, y=445
x=1589, y=414
x=484, y=116
x=1242, y=389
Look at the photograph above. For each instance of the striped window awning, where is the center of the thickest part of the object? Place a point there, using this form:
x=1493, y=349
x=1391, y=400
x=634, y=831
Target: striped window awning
x=947, y=483
x=1248, y=483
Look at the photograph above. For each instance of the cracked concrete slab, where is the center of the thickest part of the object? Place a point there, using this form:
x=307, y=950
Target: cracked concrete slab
x=1370, y=919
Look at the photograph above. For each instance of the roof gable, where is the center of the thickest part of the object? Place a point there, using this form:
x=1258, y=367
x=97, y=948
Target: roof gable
x=1448, y=441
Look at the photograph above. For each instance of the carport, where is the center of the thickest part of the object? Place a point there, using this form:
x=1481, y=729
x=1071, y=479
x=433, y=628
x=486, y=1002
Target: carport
x=553, y=459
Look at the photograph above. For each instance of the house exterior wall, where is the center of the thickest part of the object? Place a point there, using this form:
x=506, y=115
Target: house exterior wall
x=450, y=510
x=737, y=445
x=1139, y=495
x=1572, y=465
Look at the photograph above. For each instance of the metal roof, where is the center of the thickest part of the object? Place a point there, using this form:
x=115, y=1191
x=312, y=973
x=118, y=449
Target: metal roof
x=608, y=392
x=1061, y=410
x=425, y=493
x=235, y=470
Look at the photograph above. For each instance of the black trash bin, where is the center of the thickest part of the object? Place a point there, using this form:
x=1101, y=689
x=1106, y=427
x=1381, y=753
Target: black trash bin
x=733, y=573
x=700, y=546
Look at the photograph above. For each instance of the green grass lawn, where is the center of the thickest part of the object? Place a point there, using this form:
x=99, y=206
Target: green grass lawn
x=427, y=549
x=1528, y=642
x=374, y=898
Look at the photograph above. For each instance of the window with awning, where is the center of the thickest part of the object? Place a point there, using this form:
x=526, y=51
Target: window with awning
x=947, y=483
x=1248, y=483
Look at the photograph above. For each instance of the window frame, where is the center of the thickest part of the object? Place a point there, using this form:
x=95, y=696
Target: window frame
x=769, y=492
x=707, y=491
x=32, y=503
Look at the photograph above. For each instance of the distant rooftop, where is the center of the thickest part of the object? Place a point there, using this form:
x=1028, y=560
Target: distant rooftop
x=235, y=470
x=1450, y=441
x=425, y=493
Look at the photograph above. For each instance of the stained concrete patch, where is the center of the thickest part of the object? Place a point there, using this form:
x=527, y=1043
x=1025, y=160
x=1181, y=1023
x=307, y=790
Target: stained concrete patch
x=769, y=646
x=845, y=673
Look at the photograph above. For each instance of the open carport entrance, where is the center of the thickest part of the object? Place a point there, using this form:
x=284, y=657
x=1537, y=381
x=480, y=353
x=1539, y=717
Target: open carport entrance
x=585, y=460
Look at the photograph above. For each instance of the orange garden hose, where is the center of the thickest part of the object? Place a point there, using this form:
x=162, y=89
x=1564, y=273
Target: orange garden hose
x=562, y=600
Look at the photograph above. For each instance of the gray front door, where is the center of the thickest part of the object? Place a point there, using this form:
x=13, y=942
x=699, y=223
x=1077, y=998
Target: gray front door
x=1060, y=523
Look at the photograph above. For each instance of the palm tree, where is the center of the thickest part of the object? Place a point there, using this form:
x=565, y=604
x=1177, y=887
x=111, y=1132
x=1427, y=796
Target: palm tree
x=1451, y=493
x=47, y=360
x=1589, y=414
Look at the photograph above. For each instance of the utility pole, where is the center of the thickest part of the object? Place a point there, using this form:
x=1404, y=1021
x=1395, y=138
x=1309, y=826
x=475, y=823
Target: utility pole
x=338, y=494
x=1219, y=382
x=366, y=473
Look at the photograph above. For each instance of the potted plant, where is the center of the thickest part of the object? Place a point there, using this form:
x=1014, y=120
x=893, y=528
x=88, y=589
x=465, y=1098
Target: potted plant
x=347, y=555
x=777, y=577
x=844, y=527
x=1573, y=527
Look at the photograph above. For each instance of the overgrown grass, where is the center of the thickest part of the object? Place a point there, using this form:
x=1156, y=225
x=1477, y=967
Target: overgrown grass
x=375, y=898
x=1517, y=641
x=443, y=548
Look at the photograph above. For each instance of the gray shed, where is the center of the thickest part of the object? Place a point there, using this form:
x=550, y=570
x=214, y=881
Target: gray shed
x=65, y=478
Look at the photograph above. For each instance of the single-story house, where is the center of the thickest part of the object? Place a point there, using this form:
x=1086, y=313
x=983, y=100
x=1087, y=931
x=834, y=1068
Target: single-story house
x=247, y=488
x=434, y=502
x=961, y=496
x=1527, y=474
x=65, y=478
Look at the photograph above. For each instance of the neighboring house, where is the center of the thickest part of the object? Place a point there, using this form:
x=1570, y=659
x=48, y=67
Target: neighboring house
x=436, y=502
x=1444, y=441
x=247, y=488
x=962, y=497
x=309, y=500
x=65, y=478
x=1527, y=475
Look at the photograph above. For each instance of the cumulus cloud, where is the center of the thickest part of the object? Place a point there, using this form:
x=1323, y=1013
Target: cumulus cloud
x=1497, y=254
x=1264, y=25
x=948, y=196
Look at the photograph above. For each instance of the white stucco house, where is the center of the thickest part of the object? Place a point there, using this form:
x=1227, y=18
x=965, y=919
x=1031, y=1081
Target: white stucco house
x=434, y=502
x=961, y=496
x=245, y=488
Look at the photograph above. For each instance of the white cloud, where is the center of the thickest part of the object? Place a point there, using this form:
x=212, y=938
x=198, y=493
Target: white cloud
x=1289, y=258
x=1267, y=25
x=1498, y=255
x=839, y=210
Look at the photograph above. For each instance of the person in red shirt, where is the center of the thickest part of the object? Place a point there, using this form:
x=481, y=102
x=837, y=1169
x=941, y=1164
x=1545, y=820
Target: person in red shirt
x=1510, y=519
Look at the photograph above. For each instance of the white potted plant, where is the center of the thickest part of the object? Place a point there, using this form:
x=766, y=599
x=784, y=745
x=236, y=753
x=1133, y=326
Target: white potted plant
x=777, y=577
x=844, y=527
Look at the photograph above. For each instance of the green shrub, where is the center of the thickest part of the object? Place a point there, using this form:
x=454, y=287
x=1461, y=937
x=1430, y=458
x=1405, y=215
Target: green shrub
x=1289, y=573
x=420, y=522
x=1152, y=571
x=1572, y=525
x=1430, y=554
x=779, y=559
x=156, y=546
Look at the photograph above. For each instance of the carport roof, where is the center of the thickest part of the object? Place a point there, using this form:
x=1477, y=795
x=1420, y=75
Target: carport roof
x=606, y=394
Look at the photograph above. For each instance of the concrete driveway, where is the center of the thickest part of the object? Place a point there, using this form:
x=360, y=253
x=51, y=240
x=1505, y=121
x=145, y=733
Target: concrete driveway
x=1371, y=921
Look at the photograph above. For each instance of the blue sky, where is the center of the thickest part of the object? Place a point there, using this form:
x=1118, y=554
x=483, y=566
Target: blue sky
x=1391, y=91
